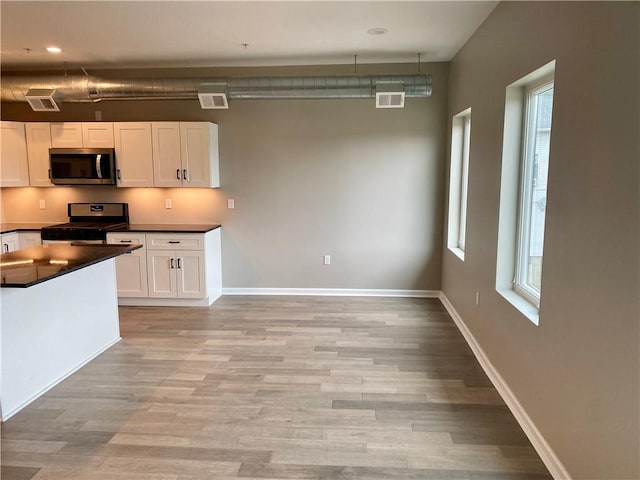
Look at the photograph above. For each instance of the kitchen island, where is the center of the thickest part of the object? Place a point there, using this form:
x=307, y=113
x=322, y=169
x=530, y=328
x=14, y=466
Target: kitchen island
x=59, y=310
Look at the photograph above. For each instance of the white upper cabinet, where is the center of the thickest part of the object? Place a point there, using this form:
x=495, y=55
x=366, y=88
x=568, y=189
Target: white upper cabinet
x=38, y=144
x=167, y=159
x=66, y=135
x=199, y=153
x=185, y=154
x=134, y=158
x=148, y=154
x=82, y=135
x=14, y=171
x=97, y=135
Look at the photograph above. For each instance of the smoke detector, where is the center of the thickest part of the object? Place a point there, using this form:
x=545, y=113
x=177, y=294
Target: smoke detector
x=41, y=100
x=213, y=96
x=389, y=95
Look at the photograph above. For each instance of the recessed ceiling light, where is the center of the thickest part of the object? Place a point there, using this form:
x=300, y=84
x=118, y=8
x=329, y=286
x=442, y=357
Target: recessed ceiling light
x=53, y=50
x=377, y=31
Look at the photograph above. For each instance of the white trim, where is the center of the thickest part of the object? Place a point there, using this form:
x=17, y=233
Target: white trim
x=7, y=415
x=541, y=446
x=165, y=302
x=336, y=292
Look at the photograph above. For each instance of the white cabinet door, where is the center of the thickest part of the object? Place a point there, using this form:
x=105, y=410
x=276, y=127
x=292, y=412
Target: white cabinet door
x=14, y=171
x=199, y=152
x=190, y=274
x=97, y=135
x=134, y=158
x=66, y=135
x=161, y=270
x=131, y=268
x=10, y=242
x=29, y=239
x=167, y=163
x=38, y=136
x=131, y=274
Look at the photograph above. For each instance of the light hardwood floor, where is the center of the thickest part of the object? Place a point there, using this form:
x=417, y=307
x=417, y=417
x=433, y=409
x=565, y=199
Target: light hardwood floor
x=275, y=388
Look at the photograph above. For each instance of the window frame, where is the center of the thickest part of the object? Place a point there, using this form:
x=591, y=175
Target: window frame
x=525, y=188
x=459, y=182
x=510, y=178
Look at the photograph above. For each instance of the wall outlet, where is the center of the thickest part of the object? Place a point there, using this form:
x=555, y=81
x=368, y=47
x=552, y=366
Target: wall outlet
x=326, y=259
x=42, y=205
x=231, y=203
x=477, y=299
x=98, y=115
x=168, y=203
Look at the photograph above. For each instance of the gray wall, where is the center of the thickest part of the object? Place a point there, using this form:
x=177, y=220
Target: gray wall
x=576, y=374
x=309, y=177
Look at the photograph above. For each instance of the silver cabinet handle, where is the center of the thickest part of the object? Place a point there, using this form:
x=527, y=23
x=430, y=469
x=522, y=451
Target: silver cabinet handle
x=125, y=241
x=184, y=175
x=118, y=174
x=179, y=263
x=6, y=247
x=178, y=174
x=174, y=241
x=171, y=260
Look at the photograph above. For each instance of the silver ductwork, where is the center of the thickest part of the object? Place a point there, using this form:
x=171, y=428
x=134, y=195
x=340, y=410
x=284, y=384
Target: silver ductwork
x=79, y=88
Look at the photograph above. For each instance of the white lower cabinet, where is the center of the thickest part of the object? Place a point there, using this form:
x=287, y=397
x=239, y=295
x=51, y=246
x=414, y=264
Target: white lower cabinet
x=10, y=242
x=131, y=269
x=180, y=269
x=29, y=239
x=176, y=274
x=13, y=241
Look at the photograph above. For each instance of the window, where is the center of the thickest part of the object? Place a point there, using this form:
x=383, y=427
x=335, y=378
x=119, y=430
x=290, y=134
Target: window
x=523, y=189
x=533, y=191
x=458, y=182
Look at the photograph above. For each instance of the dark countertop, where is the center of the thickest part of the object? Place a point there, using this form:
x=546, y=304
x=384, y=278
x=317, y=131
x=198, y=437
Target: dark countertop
x=170, y=228
x=30, y=266
x=133, y=227
x=23, y=227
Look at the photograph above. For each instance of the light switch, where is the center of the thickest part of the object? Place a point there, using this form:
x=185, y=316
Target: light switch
x=168, y=203
x=42, y=204
x=231, y=203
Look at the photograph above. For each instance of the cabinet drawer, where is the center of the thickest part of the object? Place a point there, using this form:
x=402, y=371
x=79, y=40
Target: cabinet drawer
x=122, y=238
x=173, y=241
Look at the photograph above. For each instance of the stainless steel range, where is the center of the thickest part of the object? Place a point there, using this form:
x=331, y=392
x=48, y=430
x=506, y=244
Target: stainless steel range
x=89, y=222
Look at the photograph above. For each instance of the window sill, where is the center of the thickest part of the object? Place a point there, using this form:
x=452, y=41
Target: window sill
x=525, y=307
x=457, y=252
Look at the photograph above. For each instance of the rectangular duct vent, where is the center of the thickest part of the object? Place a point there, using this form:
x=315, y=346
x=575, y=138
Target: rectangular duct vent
x=389, y=99
x=213, y=100
x=41, y=100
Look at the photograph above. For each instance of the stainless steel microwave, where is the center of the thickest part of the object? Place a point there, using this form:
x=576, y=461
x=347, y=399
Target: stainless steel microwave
x=82, y=166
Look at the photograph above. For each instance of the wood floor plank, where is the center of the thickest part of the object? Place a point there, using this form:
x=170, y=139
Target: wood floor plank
x=259, y=388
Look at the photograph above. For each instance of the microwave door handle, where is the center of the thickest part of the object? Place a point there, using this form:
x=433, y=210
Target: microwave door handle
x=99, y=165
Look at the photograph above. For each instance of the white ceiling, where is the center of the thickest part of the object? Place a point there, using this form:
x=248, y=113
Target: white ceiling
x=115, y=34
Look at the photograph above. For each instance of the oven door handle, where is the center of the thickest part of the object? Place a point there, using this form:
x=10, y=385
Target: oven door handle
x=99, y=165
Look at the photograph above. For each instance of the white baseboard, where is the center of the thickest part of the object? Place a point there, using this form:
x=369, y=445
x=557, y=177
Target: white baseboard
x=165, y=302
x=333, y=292
x=7, y=415
x=551, y=461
